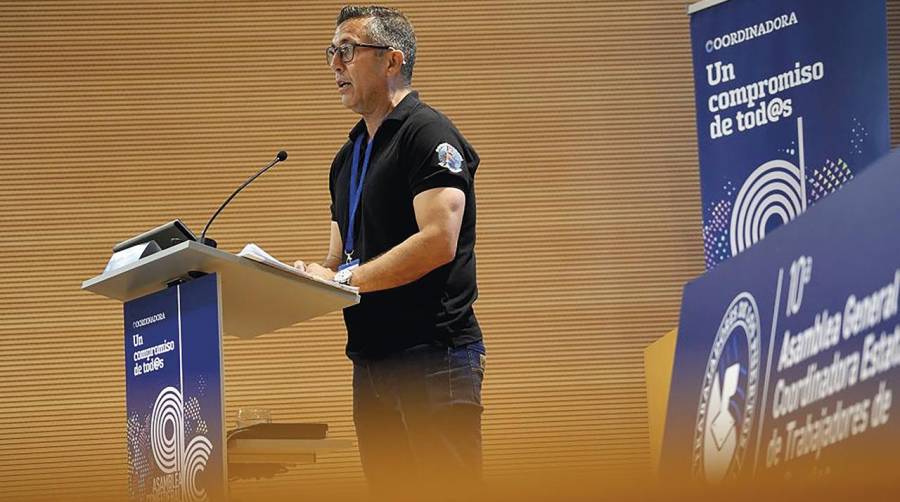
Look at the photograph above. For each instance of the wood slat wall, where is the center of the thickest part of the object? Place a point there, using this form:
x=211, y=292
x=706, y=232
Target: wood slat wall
x=117, y=116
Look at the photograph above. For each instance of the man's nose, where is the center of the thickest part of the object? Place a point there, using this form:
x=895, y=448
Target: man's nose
x=337, y=65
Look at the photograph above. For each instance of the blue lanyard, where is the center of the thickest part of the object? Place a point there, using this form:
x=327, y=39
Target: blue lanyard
x=356, y=186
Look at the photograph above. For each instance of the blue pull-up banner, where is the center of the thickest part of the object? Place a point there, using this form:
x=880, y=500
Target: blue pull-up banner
x=792, y=102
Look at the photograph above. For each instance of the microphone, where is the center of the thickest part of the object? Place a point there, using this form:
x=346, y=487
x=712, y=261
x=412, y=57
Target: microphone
x=280, y=157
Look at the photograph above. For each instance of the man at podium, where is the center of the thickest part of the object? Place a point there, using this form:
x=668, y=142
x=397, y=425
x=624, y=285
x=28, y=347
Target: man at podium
x=403, y=232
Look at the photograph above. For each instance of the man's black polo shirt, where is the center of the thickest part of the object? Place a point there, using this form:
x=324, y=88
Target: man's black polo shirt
x=415, y=149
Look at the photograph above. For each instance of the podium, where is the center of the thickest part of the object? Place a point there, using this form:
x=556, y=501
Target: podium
x=178, y=303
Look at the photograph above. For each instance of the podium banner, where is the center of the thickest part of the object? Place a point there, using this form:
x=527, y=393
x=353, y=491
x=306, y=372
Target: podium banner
x=791, y=101
x=174, y=394
x=788, y=354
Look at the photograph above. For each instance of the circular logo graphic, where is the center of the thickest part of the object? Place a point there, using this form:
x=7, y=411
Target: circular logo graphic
x=728, y=395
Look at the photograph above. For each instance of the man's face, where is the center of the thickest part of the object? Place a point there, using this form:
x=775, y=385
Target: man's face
x=362, y=83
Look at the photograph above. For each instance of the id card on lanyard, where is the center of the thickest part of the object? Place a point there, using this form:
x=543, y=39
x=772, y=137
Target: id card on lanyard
x=356, y=186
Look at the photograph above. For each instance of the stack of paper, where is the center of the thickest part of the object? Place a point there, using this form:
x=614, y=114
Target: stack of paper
x=253, y=252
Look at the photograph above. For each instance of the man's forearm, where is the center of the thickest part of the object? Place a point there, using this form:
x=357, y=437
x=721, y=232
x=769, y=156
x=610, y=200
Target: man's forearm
x=419, y=254
x=331, y=262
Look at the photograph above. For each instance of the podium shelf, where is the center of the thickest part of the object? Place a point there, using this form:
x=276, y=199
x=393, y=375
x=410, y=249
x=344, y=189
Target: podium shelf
x=281, y=451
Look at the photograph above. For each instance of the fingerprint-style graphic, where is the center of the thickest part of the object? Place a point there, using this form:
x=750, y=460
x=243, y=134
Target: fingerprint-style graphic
x=195, y=459
x=167, y=427
x=776, y=189
x=167, y=442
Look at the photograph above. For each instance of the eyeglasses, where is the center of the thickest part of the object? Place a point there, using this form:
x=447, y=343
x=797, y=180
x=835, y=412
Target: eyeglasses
x=348, y=50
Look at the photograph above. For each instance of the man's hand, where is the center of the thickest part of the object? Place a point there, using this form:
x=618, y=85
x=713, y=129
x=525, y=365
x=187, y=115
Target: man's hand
x=320, y=271
x=332, y=261
x=315, y=269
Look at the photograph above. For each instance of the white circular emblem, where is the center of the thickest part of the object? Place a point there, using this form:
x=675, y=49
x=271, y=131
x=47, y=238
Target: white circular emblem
x=449, y=157
x=728, y=395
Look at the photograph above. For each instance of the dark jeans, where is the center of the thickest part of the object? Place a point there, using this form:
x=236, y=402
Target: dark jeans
x=418, y=420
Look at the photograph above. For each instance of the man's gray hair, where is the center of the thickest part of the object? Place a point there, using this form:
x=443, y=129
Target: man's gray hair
x=386, y=27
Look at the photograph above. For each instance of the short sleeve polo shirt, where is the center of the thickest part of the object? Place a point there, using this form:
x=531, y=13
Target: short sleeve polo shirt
x=415, y=149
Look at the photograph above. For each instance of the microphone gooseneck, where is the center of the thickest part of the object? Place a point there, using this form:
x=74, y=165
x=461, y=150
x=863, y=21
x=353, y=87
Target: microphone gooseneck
x=280, y=157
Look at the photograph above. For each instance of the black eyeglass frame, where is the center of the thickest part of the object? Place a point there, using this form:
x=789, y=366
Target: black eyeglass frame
x=331, y=51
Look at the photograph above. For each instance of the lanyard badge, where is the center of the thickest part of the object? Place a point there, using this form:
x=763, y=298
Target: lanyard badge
x=355, y=189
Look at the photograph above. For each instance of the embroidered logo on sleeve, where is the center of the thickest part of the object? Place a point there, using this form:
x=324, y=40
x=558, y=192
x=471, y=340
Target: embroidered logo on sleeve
x=449, y=157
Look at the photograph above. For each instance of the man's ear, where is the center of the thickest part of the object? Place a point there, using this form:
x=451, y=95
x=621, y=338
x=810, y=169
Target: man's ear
x=395, y=62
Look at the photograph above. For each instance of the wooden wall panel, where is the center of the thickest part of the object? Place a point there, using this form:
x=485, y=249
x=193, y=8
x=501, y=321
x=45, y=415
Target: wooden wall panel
x=117, y=116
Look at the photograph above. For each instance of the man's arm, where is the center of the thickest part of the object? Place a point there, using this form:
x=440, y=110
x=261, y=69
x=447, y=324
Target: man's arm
x=332, y=261
x=335, y=248
x=439, y=213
